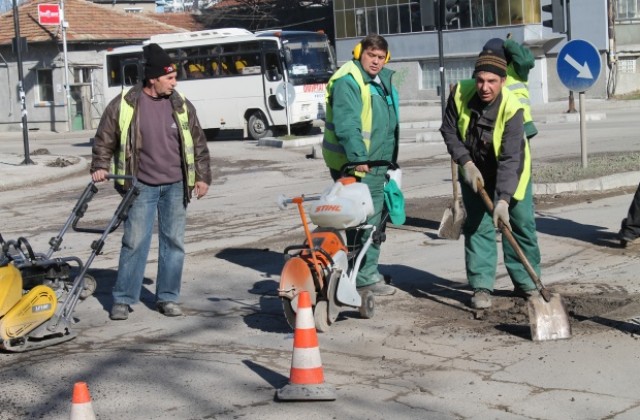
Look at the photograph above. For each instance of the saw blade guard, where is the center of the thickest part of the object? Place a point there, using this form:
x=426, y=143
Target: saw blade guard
x=296, y=276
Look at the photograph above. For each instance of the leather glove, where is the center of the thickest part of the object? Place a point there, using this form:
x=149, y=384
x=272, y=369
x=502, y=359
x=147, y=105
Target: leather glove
x=472, y=175
x=501, y=214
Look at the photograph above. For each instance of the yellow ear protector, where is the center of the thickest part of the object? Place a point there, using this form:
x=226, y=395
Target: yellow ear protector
x=357, y=52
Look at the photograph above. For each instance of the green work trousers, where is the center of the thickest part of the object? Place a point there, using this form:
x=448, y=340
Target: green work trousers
x=368, y=272
x=480, y=248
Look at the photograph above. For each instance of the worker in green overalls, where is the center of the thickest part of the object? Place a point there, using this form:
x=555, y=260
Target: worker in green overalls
x=483, y=129
x=362, y=125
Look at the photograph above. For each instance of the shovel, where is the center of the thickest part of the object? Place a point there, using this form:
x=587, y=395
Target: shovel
x=454, y=215
x=548, y=317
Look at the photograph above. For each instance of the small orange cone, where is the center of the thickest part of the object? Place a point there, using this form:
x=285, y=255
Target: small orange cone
x=306, y=380
x=81, y=403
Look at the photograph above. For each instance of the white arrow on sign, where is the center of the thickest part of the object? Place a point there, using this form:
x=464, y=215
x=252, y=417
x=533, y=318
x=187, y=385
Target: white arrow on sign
x=583, y=70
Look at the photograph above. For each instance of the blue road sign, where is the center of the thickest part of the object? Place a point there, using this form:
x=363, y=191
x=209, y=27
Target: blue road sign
x=578, y=65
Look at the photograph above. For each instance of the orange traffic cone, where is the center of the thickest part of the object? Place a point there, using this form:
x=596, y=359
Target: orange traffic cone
x=306, y=380
x=81, y=403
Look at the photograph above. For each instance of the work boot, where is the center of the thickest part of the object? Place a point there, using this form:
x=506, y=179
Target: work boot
x=630, y=243
x=481, y=299
x=378, y=288
x=119, y=312
x=169, y=308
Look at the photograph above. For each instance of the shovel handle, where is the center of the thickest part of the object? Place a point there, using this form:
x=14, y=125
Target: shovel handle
x=512, y=241
x=454, y=179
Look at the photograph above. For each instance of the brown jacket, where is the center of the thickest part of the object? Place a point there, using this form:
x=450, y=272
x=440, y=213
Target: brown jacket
x=107, y=139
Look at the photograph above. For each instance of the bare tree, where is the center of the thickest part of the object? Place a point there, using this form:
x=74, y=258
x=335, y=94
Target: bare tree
x=269, y=14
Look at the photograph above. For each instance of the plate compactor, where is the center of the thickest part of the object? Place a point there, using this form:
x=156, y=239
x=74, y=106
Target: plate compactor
x=325, y=265
x=37, y=291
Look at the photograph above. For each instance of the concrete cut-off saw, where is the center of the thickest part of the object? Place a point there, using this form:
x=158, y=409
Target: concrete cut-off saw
x=325, y=264
x=38, y=294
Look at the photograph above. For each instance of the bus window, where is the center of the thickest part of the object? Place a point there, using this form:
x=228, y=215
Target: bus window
x=272, y=67
x=195, y=70
x=130, y=72
x=239, y=63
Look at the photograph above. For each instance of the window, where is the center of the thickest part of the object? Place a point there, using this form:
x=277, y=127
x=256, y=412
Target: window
x=45, y=85
x=455, y=70
x=356, y=18
x=628, y=9
x=626, y=65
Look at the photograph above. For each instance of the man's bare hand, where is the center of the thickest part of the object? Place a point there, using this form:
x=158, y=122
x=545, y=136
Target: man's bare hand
x=362, y=168
x=99, y=175
x=200, y=189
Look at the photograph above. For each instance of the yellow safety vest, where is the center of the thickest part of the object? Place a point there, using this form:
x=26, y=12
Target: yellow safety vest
x=125, y=117
x=508, y=108
x=332, y=151
x=521, y=90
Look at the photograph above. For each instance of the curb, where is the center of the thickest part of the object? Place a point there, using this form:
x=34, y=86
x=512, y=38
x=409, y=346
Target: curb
x=45, y=166
x=608, y=182
x=285, y=144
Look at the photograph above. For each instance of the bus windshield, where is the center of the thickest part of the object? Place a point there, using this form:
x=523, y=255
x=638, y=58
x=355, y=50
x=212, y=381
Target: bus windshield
x=309, y=58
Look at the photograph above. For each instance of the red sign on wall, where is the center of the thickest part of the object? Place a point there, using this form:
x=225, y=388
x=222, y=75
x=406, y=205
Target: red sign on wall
x=49, y=14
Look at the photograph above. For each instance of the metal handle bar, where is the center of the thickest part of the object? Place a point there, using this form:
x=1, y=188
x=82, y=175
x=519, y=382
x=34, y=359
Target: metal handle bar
x=121, y=212
x=371, y=163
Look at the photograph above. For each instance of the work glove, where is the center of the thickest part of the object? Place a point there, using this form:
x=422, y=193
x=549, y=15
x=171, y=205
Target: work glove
x=472, y=175
x=501, y=214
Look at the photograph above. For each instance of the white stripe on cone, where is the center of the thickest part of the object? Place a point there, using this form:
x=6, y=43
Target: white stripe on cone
x=304, y=319
x=306, y=358
x=82, y=411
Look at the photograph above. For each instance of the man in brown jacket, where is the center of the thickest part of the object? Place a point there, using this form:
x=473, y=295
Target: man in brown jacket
x=152, y=132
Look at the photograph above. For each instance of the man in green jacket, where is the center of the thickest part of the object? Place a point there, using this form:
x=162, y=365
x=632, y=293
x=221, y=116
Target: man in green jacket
x=362, y=125
x=484, y=133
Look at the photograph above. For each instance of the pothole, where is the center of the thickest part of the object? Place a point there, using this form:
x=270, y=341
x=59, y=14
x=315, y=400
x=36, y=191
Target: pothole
x=584, y=311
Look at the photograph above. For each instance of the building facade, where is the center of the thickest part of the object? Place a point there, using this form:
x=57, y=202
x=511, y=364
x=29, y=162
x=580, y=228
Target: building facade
x=611, y=26
x=48, y=65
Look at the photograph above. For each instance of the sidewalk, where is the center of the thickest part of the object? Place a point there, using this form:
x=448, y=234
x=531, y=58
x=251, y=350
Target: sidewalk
x=14, y=173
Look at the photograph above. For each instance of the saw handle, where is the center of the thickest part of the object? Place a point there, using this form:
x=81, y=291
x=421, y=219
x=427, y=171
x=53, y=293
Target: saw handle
x=506, y=232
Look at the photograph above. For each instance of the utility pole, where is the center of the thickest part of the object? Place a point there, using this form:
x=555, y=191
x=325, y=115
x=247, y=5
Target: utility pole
x=23, y=101
x=64, y=26
x=572, y=103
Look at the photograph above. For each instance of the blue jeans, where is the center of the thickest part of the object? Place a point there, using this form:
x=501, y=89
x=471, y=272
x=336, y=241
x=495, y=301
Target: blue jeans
x=167, y=202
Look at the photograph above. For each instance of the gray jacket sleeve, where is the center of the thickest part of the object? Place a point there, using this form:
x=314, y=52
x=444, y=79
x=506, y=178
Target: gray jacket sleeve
x=449, y=130
x=511, y=158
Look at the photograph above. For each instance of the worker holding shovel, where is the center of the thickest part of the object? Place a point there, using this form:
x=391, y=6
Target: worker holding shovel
x=483, y=129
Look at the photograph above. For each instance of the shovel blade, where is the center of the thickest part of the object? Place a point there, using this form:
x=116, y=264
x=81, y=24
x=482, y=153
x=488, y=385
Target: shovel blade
x=548, y=320
x=452, y=221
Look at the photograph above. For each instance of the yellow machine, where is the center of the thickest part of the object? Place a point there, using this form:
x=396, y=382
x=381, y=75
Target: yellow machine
x=38, y=293
x=22, y=313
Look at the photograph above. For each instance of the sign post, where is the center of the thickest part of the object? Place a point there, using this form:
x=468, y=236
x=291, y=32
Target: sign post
x=578, y=67
x=64, y=24
x=53, y=14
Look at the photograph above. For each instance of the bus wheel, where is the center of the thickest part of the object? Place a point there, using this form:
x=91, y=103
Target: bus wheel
x=258, y=126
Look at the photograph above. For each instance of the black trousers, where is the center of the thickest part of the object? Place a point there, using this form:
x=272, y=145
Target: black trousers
x=630, y=228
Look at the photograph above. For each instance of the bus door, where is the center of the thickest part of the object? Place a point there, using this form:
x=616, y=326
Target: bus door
x=273, y=78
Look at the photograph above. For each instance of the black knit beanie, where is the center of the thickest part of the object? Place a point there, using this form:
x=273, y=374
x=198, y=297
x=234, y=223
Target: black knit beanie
x=157, y=62
x=492, y=61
